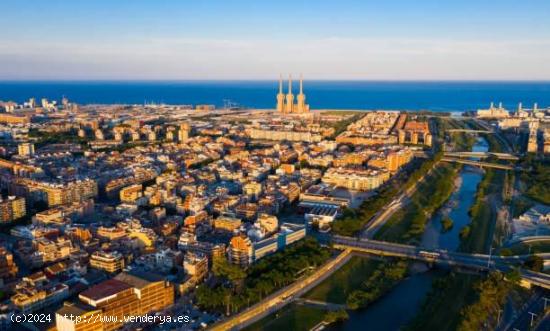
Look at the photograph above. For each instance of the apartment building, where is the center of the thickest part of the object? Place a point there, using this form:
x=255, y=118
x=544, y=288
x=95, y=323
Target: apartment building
x=109, y=261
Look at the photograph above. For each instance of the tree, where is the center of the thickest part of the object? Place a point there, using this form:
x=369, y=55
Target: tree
x=336, y=316
x=446, y=223
x=534, y=262
x=513, y=276
x=231, y=272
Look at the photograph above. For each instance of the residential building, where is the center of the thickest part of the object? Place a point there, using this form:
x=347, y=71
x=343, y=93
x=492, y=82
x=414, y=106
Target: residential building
x=241, y=250
x=108, y=261
x=12, y=208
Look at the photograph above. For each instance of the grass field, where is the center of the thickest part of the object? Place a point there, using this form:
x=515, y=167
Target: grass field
x=339, y=285
x=292, y=317
x=407, y=225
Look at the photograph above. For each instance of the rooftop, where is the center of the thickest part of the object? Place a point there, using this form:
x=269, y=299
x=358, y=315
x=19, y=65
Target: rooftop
x=105, y=289
x=138, y=279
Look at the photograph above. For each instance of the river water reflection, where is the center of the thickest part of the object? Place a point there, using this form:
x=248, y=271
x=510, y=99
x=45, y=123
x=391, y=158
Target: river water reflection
x=397, y=308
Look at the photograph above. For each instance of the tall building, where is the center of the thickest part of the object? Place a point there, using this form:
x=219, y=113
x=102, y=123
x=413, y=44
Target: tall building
x=131, y=193
x=183, y=133
x=412, y=130
x=285, y=103
x=153, y=292
x=110, y=262
x=268, y=223
x=353, y=179
x=61, y=194
x=25, y=149
x=128, y=294
x=8, y=268
x=114, y=298
x=227, y=223
x=99, y=135
x=51, y=250
x=196, y=265
x=241, y=251
x=78, y=317
x=12, y=208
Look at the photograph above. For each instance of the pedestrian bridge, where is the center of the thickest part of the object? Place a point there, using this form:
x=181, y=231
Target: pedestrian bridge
x=479, y=262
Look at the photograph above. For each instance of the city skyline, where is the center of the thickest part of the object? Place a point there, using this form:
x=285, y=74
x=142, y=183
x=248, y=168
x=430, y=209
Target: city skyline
x=269, y=165
x=245, y=40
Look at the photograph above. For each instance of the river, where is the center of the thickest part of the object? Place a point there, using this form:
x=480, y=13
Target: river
x=397, y=308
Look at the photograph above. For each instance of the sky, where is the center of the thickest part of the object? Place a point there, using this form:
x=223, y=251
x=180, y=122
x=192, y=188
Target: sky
x=260, y=39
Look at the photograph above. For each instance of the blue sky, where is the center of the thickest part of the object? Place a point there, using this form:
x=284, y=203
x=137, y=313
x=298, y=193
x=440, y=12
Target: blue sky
x=207, y=39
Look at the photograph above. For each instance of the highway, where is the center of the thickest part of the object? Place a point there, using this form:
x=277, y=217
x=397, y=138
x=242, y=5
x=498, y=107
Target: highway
x=279, y=299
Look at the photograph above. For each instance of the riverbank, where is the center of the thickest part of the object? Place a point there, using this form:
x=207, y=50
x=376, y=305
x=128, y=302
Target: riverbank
x=452, y=294
x=291, y=317
x=408, y=224
x=456, y=208
x=337, y=287
x=448, y=190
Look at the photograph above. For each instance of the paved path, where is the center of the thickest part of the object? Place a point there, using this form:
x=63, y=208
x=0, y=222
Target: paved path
x=284, y=296
x=320, y=304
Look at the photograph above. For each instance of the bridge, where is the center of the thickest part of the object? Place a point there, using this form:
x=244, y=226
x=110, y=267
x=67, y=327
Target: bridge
x=527, y=240
x=468, y=131
x=479, y=262
x=478, y=163
x=483, y=155
x=289, y=294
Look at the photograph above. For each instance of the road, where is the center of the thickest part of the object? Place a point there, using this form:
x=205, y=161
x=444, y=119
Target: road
x=478, y=163
x=284, y=296
x=503, y=142
x=382, y=217
x=522, y=321
x=481, y=155
x=544, y=324
x=399, y=202
x=480, y=262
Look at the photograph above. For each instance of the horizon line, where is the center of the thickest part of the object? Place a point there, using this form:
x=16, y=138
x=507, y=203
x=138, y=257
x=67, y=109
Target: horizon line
x=427, y=80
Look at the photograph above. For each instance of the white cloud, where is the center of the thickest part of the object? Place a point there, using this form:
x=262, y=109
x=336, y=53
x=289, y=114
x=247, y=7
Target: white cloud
x=329, y=58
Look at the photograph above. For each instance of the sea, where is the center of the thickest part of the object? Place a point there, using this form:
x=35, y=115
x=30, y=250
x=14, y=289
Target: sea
x=442, y=96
